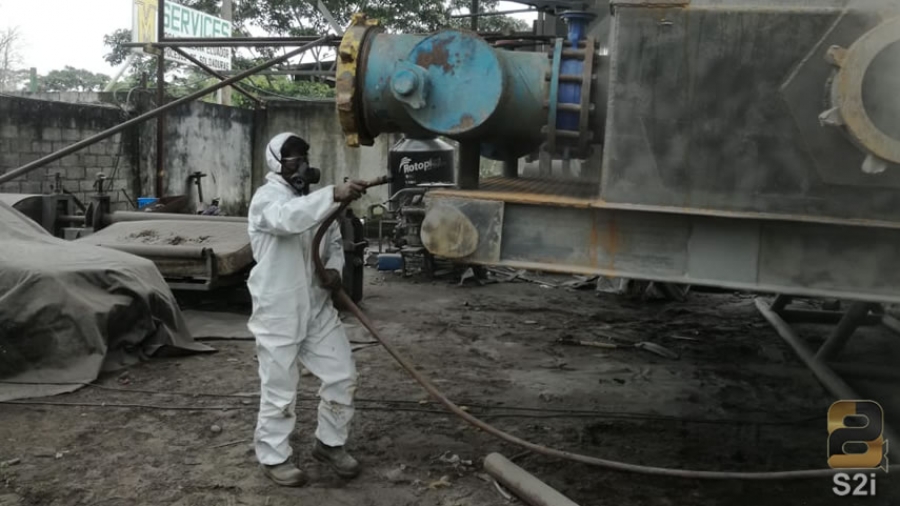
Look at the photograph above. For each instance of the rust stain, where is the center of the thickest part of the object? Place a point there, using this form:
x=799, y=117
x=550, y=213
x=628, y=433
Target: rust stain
x=438, y=56
x=594, y=242
x=466, y=123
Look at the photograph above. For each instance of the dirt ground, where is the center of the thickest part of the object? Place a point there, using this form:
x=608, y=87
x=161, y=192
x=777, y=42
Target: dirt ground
x=736, y=398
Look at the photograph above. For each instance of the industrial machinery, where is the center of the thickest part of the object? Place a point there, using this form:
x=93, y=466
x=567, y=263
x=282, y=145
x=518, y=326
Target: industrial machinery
x=750, y=144
x=745, y=144
x=416, y=165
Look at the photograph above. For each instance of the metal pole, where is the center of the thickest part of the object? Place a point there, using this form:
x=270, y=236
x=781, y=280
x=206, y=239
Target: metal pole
x=187, y=40
x=325, y=73
x=329, y=17
x=492, y=13
x=160, y=100
x=226, y=92
x=469, y=165
x=209, y=43
x=25, y=169
x=852, y=319
x=215, y=73
x=474, y=12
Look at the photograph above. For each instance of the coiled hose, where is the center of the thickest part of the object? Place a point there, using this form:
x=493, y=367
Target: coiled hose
x=343, y=300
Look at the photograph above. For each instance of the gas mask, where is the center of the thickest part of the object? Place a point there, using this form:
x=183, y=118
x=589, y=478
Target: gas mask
x=301, y=179
x=299, y=174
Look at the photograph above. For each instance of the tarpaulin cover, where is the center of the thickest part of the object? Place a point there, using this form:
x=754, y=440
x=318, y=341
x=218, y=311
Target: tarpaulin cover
x=70, y=310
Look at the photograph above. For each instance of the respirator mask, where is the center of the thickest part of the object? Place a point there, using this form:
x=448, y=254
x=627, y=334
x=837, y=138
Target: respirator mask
x=299, y=174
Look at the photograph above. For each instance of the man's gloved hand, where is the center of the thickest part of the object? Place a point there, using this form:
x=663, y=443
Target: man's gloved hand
x=349, y=191
x=332, y=280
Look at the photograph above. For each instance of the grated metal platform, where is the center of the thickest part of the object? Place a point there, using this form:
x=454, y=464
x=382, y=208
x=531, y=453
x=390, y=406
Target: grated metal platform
x=532, y=190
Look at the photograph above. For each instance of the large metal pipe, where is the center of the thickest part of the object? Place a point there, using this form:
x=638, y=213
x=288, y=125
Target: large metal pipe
x=451, y=83
x=524, y=485
x=25, y=169
x=175, y=252
x=121, y=216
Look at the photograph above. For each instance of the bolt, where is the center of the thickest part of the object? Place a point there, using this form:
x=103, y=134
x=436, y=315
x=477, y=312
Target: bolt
x=404, y=82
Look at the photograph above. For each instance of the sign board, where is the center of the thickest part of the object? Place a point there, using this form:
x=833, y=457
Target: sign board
x=181, y=21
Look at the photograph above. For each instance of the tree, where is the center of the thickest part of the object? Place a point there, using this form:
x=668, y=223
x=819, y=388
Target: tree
x=10, y=58
x=72, y=79
x=302, y=17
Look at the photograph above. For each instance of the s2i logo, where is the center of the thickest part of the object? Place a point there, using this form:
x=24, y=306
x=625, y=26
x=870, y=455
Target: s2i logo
x=856, y=441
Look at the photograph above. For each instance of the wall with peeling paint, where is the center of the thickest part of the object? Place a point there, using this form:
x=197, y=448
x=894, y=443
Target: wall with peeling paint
x=212, y=139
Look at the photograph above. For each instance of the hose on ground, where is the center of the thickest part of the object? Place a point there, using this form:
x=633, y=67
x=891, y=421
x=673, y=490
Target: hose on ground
x=343, y=300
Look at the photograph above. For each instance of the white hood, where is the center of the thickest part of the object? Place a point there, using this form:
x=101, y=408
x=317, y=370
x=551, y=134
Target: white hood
x=273, y=150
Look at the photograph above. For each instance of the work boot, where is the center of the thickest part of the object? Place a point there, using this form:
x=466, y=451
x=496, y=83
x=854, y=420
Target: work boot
x=337, y=458
x=285, y=474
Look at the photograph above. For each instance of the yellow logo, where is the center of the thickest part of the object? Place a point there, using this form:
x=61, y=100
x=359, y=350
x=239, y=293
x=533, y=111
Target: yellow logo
x=146, y=20
x=856, y=436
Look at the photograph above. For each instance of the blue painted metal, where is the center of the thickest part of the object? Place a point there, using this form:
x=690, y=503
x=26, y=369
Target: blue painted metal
x=410, y=84
x=453, y=61
x=469, y=90
x=570, y=92
x=553, y=97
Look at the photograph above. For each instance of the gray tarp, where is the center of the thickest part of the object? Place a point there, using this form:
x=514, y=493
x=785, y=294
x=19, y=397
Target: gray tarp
x=69, y=310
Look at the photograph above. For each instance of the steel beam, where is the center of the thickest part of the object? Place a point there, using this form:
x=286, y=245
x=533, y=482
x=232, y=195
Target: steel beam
x=571, y=236
x=218, y=43
x=25, y=169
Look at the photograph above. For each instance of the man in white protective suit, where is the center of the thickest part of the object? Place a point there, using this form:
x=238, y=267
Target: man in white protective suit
x=294, y=318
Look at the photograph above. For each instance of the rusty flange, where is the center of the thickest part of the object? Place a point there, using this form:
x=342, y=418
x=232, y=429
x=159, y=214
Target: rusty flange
x=847, y=96
x=350, y=54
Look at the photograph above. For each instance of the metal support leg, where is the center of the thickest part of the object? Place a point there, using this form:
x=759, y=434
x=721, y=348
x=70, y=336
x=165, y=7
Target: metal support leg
x=826, y=376
x=781, y=302
x=469, y=165
x=845, y=328
x=511, y=167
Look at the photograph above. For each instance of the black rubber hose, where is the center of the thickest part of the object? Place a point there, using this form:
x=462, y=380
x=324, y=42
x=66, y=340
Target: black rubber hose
x=343, y=300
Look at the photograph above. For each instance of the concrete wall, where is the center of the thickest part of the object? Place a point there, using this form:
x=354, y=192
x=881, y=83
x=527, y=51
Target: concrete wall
x=317, y=122
x=212, y=139
x=31, y=129
x=225, y=143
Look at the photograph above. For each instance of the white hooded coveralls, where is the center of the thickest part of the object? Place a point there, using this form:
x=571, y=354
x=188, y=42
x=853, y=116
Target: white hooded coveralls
x=293, y=316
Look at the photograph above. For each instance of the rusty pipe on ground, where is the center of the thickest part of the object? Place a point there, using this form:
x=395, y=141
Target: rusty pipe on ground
x=344, y=300
x=25, y=169
x=120, y=216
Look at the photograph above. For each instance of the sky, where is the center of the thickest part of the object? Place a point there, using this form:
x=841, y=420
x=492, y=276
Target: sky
x=57, y=33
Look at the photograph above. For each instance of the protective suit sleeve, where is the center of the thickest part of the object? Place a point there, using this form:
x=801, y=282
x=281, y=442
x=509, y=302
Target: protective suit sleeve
x=334, y=253
x=296, y=215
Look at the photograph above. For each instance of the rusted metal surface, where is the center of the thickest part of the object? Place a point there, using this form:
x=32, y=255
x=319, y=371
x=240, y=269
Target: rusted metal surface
x=552, y=192
x=533, y=190
x=806, y=259
x=476, y=227
x=348, y=69
x=437, y=56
